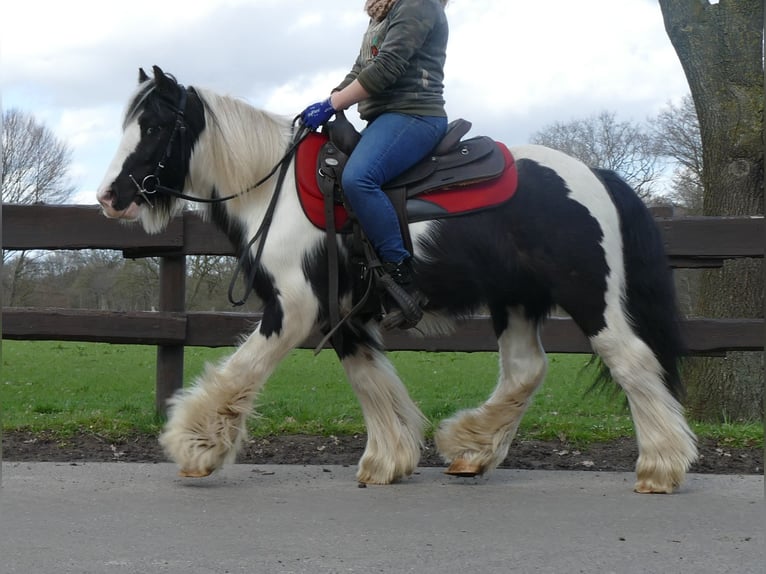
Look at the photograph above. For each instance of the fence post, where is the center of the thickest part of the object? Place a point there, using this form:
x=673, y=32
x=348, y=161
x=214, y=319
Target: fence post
x=170, y=358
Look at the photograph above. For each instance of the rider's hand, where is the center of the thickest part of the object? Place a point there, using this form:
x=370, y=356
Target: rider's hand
x=317, y=114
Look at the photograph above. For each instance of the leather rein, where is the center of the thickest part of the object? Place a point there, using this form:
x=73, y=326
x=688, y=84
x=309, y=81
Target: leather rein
x=151, y=185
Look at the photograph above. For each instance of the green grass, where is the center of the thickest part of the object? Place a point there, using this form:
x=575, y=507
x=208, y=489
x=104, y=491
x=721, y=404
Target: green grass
x=109, y=390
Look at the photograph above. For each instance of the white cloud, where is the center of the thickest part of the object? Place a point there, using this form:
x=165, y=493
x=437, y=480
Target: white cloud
x=512, y=67
x=88, y=126
x=513, y=58
x=292, y=97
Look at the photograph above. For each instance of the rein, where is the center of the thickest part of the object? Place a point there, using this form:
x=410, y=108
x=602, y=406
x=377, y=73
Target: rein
x=263, y=230
x=151, y=185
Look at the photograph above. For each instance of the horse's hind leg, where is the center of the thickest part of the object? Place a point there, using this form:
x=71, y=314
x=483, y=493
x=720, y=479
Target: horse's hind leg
x=477, y=440
x=394, y=423
x=666, y=444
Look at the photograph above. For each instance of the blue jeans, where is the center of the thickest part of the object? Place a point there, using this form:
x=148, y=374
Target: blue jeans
x=390, y=144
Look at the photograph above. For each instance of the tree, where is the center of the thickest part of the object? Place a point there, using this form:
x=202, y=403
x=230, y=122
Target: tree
x=208, y=277
x=677, y=136
x=720, y=49
x=602, y=141
x=35, y=162
x=34, y=170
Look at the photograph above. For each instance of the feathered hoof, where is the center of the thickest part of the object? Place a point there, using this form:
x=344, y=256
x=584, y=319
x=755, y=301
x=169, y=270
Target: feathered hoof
x=461, y=467
x=381, y=472
x=661, y=475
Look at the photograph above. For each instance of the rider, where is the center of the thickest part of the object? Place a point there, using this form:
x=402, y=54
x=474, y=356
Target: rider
x=397, y=80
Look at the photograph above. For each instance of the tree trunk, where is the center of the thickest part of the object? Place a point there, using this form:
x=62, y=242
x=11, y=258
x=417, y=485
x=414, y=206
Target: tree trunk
x=19, y=269
x=720, y=48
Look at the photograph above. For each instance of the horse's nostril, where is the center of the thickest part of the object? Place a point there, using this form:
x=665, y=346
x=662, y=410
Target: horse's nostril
x=105, y=198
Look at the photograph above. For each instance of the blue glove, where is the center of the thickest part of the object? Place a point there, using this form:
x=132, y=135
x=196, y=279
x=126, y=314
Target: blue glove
x=317, y=114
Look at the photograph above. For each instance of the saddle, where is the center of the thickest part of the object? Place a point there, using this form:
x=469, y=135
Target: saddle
x=453, y=163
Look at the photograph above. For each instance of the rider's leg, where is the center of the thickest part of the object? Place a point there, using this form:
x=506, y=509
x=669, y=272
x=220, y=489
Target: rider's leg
x=390, y=144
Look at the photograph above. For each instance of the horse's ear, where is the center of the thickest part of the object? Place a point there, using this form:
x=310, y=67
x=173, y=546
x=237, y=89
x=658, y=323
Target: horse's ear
x=142, y=77
x=162, y=80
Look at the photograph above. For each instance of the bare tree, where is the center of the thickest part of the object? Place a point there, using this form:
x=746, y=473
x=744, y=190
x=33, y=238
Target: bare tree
x=677, y=136
x=137, y=285
x=34, y=170
x=208, y=278
x=720, y=47
x=97, y=280
x=35, y=162
x=602, y=141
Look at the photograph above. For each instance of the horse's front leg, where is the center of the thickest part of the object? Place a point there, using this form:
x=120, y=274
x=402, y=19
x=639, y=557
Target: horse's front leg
x=394, y=423
x=207, y=422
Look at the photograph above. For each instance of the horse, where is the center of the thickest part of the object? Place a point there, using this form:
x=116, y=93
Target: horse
x=571, y=236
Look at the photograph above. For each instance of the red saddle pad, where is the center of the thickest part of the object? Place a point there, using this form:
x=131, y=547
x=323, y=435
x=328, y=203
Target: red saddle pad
x=446, y=202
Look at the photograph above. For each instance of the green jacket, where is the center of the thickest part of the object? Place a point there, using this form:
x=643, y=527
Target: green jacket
x=401, y=62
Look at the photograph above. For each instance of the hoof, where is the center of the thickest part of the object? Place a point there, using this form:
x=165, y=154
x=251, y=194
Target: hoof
x=461, y=467
x=647, y=487
x=194, y=473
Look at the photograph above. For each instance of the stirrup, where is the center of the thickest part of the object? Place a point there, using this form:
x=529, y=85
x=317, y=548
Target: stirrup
x=407, y=313
x=396, y=319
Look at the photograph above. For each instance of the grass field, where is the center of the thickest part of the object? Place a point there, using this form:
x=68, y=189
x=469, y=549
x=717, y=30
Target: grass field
x=109, y=389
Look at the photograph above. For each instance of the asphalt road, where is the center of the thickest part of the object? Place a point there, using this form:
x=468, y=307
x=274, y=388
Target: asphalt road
x=106, y=518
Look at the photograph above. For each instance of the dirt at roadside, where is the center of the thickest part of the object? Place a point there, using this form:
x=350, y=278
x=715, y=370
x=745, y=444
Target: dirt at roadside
x=618, y=455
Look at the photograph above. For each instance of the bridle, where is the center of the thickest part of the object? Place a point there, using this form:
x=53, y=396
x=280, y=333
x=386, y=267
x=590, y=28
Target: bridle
x=152, y=185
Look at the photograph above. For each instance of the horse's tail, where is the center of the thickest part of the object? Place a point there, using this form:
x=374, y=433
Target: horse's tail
x=650, y=295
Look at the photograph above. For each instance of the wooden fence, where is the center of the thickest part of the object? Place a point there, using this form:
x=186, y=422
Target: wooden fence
x=691, y=242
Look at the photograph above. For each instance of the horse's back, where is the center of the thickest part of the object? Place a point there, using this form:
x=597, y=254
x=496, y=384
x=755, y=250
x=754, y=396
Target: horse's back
x=580, y=180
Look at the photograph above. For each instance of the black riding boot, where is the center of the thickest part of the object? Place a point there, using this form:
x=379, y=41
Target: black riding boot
x=399, y=281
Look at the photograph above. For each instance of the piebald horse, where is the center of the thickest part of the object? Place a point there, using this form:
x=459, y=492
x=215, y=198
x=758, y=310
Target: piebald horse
x=571, y=236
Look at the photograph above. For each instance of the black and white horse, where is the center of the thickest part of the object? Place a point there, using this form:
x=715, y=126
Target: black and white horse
x=571, y=236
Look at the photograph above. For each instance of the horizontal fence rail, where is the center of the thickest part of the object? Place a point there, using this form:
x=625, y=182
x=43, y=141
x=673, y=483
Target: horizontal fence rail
x=691, y=242
x=199, y=329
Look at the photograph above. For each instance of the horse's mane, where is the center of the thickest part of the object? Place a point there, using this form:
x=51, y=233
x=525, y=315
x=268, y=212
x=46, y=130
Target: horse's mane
x=244, y=143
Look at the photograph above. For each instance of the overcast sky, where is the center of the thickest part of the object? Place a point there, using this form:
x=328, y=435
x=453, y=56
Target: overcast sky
x=513, y=67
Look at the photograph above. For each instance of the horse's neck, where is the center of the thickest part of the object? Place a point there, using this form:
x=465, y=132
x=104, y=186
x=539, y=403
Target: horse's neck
x=239, y=146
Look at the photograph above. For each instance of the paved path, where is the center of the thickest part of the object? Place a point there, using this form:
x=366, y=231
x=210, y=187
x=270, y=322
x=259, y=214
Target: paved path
x=58, y=518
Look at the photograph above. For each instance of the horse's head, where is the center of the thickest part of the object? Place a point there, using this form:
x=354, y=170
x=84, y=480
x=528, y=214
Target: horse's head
x=159, y=130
